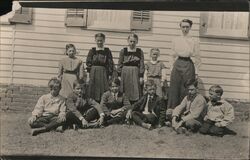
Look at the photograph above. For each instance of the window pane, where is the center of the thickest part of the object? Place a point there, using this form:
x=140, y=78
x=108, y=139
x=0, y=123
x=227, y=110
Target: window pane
x=109, y=19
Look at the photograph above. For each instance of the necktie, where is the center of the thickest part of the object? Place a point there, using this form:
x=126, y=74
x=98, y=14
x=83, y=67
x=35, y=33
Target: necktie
x=146, y=106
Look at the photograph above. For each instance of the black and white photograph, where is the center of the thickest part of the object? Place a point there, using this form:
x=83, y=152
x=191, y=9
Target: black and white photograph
x=78, y=79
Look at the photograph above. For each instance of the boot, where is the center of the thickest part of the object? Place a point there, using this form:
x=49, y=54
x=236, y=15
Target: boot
x=37, y=131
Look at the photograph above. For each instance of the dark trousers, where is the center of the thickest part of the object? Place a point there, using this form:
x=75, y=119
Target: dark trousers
x=49, y=122
x=208, y=127
x=89, y=115
x=108, y=120
x=193, y=125
x=140, y=118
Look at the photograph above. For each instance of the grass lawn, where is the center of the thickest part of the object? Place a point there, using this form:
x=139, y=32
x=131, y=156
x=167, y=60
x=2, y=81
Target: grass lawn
x=121, y=141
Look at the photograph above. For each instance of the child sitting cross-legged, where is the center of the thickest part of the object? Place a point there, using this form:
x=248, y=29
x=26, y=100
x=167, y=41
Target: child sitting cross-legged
x=219, y=115
x=83, y=110
x=150, y=110
x=189, y=114
x=114, y=104
x=50, y=110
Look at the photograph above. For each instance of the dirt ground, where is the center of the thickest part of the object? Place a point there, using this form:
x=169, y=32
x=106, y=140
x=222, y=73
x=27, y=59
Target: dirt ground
x=120, y=141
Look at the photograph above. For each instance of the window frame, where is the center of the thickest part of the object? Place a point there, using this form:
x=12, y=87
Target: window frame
x=204, y=32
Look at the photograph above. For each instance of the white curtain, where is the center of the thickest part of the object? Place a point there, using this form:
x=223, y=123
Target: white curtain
x=230, y=23
x=109, y=19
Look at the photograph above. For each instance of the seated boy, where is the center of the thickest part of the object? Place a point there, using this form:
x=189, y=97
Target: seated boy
x=188, y=115
x=114, y=104
x=82, y=110
x=150, y=110
x=49, y=112
x=220, y=114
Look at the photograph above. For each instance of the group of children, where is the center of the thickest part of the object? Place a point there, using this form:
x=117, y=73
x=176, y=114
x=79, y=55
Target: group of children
x=119, y=95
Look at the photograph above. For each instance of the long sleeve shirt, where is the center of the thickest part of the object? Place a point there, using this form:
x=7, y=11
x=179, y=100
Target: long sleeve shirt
x=186, y=46
x=129, y=58
x=190, y=109
x=156, y=105
x=79, y=105
x=48, y=104
x=111, y=102
x=222, y=112
x=72, y=65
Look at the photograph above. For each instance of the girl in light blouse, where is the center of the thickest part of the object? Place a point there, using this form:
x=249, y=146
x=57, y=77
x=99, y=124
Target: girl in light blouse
x=184, y=47
x=71, y=68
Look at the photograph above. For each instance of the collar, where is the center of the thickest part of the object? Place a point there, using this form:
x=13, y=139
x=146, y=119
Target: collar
x=218, y=103
x=154, y=62
x=100, y=49
x=132, y=50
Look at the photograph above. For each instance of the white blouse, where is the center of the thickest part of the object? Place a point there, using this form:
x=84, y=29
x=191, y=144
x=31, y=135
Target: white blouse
x=186, y=46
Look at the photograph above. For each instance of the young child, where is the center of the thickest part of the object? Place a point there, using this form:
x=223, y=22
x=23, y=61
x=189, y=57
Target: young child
x=189, y=114
x=219, y=115
x=156, y=70
x=131, y=69
x=82, y=110
x=50, y=110
x=150, y=110
x=114, y=104
x=70, y=69
x=100, y=67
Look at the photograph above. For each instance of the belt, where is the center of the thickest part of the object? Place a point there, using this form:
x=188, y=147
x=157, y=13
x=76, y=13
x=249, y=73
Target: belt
x=184, y=58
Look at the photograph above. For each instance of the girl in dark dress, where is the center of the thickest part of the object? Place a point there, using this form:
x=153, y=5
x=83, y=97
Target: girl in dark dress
x=131, y=69
x=100, y=67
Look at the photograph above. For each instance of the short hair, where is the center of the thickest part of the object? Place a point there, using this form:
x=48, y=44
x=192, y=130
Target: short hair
x=69, y=46
x=100, y=35
x=78, y=82
x=190, y=82
x=155, y=49
x=115, y=81
x=217, y=89
x=150, y=83
x=54, y=82
x=188, y=21
x=134, y=36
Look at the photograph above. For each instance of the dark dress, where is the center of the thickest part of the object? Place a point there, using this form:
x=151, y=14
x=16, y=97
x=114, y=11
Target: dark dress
x=131, y=68
x=100, y=66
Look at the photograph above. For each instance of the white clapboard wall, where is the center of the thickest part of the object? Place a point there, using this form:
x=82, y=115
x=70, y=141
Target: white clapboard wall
x=30, y=53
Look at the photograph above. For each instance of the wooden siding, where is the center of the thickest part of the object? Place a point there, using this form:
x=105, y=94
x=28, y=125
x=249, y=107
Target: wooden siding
x=6, y=40
x=39, y=47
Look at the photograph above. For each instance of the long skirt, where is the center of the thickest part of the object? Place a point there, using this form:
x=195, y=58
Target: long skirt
x=130, y=84
x=98, y=82
x=67, y=84
x=157, y=81
x=183, y=70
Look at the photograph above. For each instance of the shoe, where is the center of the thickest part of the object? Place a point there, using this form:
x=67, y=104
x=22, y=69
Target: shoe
x=168, y=124
x=147, y=126
x=59, y=129
x=37, y=131
x=181, y=130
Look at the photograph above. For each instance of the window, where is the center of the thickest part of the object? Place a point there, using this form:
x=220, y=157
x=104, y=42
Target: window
x=233, y=25
x=113, y=20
